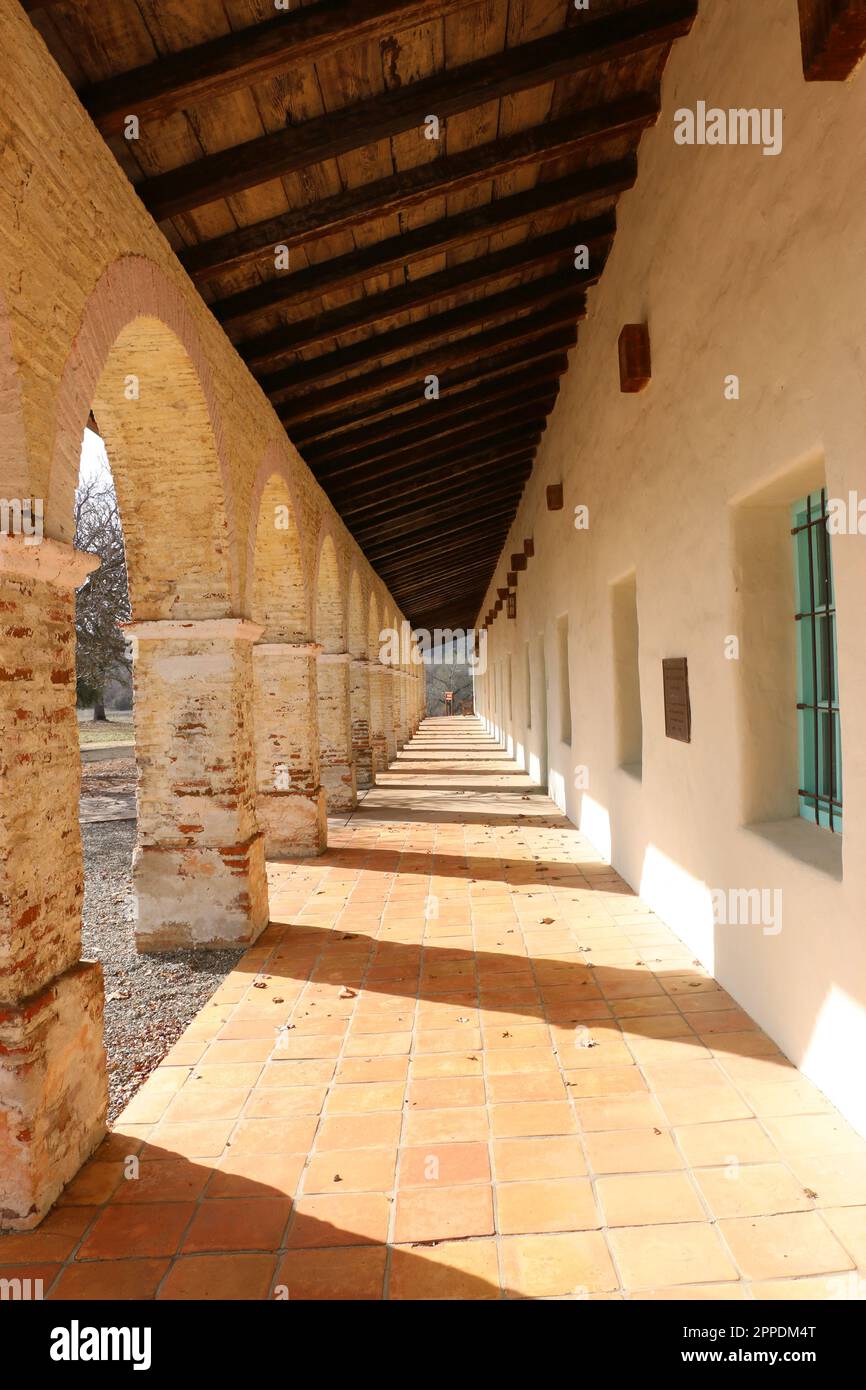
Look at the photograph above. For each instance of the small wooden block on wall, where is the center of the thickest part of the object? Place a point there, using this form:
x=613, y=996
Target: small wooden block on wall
x=678, y=710
x=529, y=548
x=512, y=605
x=832, y=37
x=635, y=365
x=511, y=579
x=518, y=561
x=554, y=497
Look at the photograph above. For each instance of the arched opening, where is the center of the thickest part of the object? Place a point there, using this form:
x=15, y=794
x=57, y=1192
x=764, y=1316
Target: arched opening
x=290, y=802
x=173, y=855
x=151, y=411
x=357, y=639
x=360, y=686
x=336, y=761
x=278, y=599
x=52, y=1063
x=378, y=682
x=329, y=627
x=390, y=697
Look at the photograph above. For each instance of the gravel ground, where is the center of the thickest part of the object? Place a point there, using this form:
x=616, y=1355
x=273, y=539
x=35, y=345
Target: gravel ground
x=149, y=1000
x=103, y=778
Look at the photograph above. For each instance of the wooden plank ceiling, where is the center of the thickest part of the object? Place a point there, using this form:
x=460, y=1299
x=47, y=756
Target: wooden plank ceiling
x=261, y=127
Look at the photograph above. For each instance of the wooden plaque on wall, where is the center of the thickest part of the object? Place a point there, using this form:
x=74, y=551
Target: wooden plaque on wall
x=554, y=497
x=512, y=605
x=635, y=367
x=678, y=710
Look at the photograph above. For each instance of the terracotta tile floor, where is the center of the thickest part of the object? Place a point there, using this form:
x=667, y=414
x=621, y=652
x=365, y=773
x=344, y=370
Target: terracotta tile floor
x=464, y=1061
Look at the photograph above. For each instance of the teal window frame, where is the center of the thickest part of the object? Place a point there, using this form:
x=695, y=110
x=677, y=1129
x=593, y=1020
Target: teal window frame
x=818, y=714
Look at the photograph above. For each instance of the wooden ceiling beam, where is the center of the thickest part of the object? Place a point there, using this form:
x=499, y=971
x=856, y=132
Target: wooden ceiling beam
x=413, y=247
x=411, y=188
x=458, y=585
x=457, y=558
x=449, y=606
x=449, y=93
x=507, y=447
x=506, y=486
x=463, y=605
x=544, y=356
x=463, y=548
x=434, y=524
x=353, y=475
x=454, y=610
x=449, y=600
x=443, y=581
x=459, y=614
x=251, y=55
x=415, y=540
x=471, y=405
x=440, y=425
x=423, y=335
x=470, y=277
x=307, y=405
x=459, y=469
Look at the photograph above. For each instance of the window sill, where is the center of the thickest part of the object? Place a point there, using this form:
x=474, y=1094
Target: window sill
x=811, y=845
x=632, y=770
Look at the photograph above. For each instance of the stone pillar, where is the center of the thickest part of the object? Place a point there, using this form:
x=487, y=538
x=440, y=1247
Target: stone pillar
x=417, y=690
x=378, y=739
x=290, y=800
x=363, y=752
x=53, y=1089
x=335, y=732
x=401, y=711
x=199, y=867
x=389, y=702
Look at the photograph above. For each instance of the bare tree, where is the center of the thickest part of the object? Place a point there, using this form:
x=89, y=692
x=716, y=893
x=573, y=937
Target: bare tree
x=448, y=675
x=103, y=600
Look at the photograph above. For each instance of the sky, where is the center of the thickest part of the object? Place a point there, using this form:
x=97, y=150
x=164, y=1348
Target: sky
x=94, y=463
x=94, y=459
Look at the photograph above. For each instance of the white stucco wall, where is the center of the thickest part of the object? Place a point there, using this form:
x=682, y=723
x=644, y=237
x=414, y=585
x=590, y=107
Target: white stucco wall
x=755, y=266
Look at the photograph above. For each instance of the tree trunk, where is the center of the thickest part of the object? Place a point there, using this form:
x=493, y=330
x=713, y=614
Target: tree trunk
x=99, y=712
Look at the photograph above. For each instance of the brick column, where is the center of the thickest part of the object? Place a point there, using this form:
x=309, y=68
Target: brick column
x=363, y=752
x=53, y=1090
x=401, y=717
x=337, y=768
x=378, y=738
x=290, y=800
x=199, y=867
x=417, y=688
x=389, y=701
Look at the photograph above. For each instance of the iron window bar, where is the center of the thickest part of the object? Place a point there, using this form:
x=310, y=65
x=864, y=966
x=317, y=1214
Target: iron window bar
x=829, y=801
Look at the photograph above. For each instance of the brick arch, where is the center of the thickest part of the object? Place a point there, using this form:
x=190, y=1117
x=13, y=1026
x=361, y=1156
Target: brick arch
x=166, y=447
x=356, y=627
x=276, y=587
x=13, y=443
x=374, y=625
x=329, y=625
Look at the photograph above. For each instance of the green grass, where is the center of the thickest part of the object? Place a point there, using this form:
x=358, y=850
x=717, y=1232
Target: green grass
x=115, y=731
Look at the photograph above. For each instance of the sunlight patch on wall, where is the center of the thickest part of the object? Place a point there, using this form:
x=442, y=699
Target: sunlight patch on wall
x=836, y=1050
x=556, y=788
x=594, y=823
x=682, y=901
